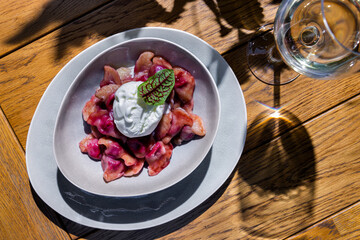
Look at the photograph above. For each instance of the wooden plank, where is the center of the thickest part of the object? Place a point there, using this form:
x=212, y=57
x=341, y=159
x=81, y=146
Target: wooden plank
x=302, y=177
x=21, y=217
x=23, y=75
x=34, y=66
x=23, y=21
x=304, y=99
x=279, y=188
x=343, y=225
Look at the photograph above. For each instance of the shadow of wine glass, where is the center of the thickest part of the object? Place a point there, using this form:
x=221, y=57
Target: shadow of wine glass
x=277, y=177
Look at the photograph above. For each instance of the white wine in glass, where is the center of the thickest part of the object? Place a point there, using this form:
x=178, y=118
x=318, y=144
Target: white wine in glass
x=316, y=38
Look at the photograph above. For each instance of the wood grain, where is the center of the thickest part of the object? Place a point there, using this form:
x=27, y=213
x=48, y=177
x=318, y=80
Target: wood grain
x=301, y=161
x=20, y=216
x=24, y=21
x=281, y=187
x=31, y=68
x=300, y=100
x=343, y=225
x=20, y=68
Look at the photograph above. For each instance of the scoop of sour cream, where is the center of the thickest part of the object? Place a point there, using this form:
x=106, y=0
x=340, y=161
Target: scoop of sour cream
x=132, y=116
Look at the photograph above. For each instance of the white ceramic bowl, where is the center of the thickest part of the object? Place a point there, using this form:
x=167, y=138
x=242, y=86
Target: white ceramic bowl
x=86, y=173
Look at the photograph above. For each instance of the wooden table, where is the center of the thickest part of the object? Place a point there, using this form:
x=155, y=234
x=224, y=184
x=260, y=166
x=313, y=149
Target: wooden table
x=298, y=177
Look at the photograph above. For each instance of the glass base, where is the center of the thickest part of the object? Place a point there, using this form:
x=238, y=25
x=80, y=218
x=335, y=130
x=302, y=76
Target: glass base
x=264, y=60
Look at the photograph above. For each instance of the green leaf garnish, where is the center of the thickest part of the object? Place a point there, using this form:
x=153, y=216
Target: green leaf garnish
x=157, y=88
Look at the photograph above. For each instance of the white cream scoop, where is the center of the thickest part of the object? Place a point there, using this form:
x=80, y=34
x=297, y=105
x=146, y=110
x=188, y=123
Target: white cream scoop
x=132, y=116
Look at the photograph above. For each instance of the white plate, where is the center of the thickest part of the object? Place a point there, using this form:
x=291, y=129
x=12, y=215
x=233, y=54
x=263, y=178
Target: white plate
x=87, y=174
x=133, y=213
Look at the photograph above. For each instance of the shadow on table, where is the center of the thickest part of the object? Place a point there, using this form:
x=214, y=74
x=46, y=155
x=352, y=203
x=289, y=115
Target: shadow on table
x=277, y=177
x=277, y=173
x=109, y=19
x=229, y=15
x=130, y=210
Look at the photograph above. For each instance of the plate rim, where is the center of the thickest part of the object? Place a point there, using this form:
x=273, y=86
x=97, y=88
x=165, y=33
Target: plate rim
x=76, y=81
x=149, y=31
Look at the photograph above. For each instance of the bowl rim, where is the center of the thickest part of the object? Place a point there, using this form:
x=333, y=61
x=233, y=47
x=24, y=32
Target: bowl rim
x=83, y=71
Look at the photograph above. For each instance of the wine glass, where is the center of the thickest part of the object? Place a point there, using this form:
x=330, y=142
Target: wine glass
x=316, y=38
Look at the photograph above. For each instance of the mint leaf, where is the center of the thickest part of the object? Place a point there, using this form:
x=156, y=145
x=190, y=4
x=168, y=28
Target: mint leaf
x=157, y=88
